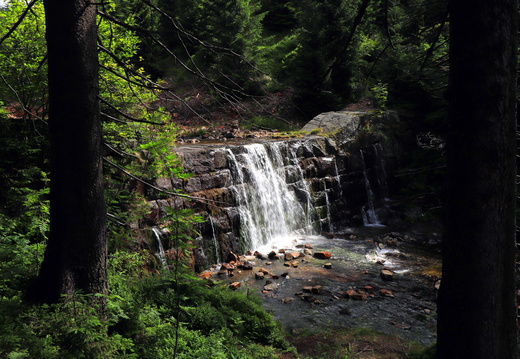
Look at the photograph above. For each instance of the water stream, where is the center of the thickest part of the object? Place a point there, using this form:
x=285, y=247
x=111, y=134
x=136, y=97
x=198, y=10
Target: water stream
x=159, y=249
x=269, y=210
x=278, y=209
x=369, y=214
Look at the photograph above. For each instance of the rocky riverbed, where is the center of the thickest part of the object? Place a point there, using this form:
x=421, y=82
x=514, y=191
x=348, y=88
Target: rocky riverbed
x=367, y=277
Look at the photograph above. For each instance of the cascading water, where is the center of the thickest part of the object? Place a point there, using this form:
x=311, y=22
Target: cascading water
x=303, y=187
x=337, y=177
x=270, y=213
x=159, y=249
x=369, y=214
x=329, y=219
x=215, y=242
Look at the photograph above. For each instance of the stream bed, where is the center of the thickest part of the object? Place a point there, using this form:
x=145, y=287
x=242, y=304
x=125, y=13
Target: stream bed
x=348, y=289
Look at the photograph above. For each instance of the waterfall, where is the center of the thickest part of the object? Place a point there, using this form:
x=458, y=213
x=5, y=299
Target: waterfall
x=304, y=187
x=159, y=249
x=329, y=220
x=369, y=214
x=269, y=210
x=215, y=242
x=337, y=177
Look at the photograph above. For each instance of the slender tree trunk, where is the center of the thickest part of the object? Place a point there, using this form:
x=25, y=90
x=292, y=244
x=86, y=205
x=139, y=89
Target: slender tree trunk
x=75, y=259
x=476, y=306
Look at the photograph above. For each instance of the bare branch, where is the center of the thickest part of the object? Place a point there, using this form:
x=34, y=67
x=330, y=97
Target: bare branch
x=128, y=117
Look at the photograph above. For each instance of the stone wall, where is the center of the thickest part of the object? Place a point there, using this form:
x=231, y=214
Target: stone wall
x=337, y=172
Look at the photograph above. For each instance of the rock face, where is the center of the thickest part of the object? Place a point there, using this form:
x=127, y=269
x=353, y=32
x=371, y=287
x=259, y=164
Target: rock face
x=329, y=178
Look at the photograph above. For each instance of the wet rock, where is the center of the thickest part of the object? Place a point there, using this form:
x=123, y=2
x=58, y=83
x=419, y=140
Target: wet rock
x=437, y=284
x=369, y=289
x=327, y=235
x=386, y=293
x=259, y=275
x=273, y=255
x=263, y=270
x=235, y=285
x=260, y=255
x=327, y=265
x=307, y=289
x=387, y=274
x=355, y=294
x=245, y=266
x=307, y=298
x=289, y=256
x=307, y=252
x=287, y=300
x=270, y=286
x=322, y=255
x=317, y=289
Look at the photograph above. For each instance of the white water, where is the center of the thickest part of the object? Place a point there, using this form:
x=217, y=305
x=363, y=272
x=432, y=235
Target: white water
x=215, y=243
x=304, y=186
x=159, y=253
x=270, y=214
x=337, y=177
x=329, y=219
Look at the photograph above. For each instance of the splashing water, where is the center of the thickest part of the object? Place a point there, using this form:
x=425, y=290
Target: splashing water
x=270, y=213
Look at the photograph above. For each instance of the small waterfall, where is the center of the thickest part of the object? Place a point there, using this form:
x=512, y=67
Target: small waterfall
x=304, y=186
x=159, y=249
x=215, y=242
x=337, y=177
x=329, y=220
x=369, y=214
x=269, y=211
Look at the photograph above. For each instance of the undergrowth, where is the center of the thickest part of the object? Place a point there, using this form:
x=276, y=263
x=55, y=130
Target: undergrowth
x=149, y=316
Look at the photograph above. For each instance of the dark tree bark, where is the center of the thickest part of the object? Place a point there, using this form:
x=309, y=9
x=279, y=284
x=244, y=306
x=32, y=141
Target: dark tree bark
x=476, y=306
x=75, y=258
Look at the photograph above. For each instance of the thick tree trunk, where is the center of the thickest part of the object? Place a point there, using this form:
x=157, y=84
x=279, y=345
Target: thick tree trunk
x=476, y=306
x=75, y=259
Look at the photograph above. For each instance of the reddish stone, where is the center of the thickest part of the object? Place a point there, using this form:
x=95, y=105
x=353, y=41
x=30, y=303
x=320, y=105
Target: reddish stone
x=234, y=285
x=289, y=256
x=263, y=270
x=322, y=255
x=205, y=275
x=386, y=293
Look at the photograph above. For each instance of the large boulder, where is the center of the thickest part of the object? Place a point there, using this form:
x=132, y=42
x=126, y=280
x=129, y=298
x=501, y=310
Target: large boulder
x=332, y=121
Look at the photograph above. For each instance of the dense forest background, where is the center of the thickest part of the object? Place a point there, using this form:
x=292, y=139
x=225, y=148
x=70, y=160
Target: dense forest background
x=172, y=70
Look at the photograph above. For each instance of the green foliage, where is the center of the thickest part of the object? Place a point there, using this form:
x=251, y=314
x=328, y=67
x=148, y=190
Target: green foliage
x=221, y=40
x=23, y=83
x=269, y=122
x=379, y=94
